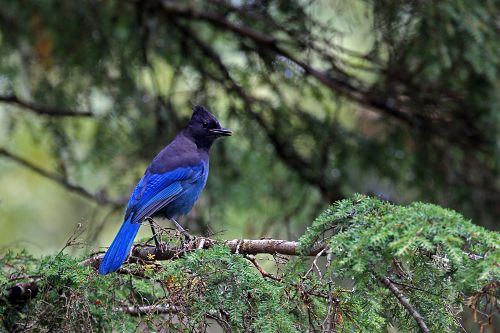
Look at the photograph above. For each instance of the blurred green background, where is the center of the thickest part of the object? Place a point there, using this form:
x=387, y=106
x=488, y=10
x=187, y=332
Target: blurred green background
x=397, y=99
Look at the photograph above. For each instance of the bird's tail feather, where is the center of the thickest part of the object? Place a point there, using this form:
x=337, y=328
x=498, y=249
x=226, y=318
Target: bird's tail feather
x=119, y=249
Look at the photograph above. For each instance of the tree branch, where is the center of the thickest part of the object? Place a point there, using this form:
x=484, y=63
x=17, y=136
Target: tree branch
x=97, y=197
x=406, y=304
x=43, y=110
x=144, y=252
x=335, y=79
x=148, y=309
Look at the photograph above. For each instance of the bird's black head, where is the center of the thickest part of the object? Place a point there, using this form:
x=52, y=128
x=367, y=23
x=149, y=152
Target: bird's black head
x=204, y=128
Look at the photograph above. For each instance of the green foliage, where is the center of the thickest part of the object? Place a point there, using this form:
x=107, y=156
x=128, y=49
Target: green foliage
x=433, y=255
x=434, y=65
x=215, y=281
x=434, y=251
x=68, y=300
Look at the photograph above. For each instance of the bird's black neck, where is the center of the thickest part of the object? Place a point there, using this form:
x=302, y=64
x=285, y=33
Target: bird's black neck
x=202, y=142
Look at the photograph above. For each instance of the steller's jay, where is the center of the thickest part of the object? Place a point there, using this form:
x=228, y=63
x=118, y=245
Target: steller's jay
x=171, y=184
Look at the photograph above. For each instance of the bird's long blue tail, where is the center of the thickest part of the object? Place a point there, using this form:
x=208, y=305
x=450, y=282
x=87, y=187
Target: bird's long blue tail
x=119, y=249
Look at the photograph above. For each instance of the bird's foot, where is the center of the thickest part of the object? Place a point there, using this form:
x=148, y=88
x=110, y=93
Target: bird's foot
x=187, y=237
x=153, y=231
x=159, y=247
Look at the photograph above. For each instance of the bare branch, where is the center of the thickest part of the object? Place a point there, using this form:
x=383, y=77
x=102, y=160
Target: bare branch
x=148, y=309
x=43, y=110
x=314, y=265
x=404, y=302
x=271, y=246
x=98, y=198
x=144, y=252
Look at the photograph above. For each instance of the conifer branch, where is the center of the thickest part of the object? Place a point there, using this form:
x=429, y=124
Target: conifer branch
x=24, y=291
x=342, y=87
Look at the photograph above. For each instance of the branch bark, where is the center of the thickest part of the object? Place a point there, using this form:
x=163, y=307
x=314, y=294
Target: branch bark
x=148, y=309
x=406, y=304
x=142, y=252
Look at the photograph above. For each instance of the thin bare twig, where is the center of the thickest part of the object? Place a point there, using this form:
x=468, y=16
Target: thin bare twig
x=73, y=239
x=314, y=264
x=261, y=270
x=331, y=316
x=405, y=303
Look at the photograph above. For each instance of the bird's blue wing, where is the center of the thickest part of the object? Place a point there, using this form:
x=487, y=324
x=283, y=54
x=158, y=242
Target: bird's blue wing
x=156, y=190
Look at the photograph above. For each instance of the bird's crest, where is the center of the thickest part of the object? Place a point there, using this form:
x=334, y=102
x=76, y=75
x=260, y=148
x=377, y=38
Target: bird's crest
x=199, y=109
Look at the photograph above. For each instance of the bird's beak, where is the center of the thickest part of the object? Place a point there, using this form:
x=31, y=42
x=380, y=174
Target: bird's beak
x=221, y=131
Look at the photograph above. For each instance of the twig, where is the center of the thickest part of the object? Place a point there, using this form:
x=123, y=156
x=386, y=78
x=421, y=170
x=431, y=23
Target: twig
x=413, y=287
x=331, y=316
x=314, y=265
x=406, y=304
x=43, y=110
x=73, y=239
x=262, y=271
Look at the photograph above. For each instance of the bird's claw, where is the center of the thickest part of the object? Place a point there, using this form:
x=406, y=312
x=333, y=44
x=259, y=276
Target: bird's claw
x=159, y=247
x=188, y=239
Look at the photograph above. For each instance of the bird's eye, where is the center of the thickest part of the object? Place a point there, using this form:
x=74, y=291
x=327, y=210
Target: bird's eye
x=204, y=124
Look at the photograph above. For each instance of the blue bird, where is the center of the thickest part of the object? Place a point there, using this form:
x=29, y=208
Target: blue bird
x=171, y=184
